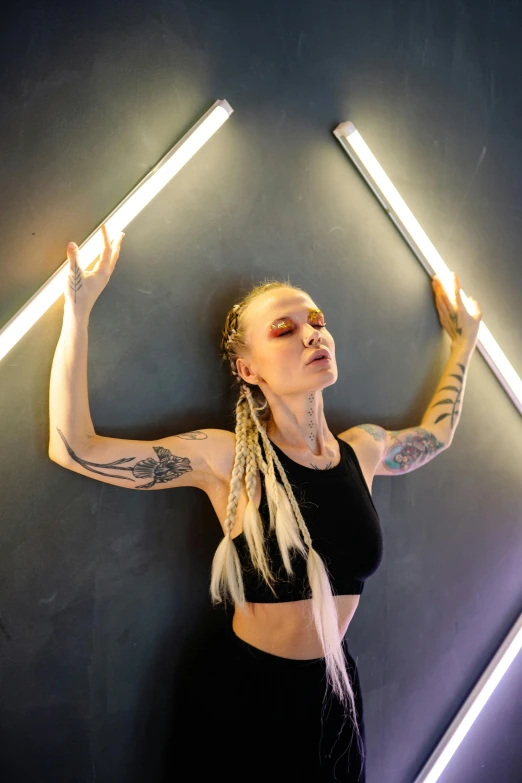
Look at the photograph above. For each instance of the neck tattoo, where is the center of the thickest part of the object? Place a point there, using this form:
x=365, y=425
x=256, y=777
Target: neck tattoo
x=311, y=435
x=311, y=413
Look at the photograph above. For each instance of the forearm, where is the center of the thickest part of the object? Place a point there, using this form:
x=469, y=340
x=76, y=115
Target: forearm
x=446, y=405
x=68, y=393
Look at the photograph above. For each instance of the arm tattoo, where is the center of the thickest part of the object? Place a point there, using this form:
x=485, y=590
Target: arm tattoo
x=377, y=432
x=159, y=471
x=417, y=446
x=420, y=446
x=448, y=400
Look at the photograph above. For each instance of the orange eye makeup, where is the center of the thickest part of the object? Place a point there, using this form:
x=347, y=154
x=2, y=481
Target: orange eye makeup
x=317, y=315
x=314, y=317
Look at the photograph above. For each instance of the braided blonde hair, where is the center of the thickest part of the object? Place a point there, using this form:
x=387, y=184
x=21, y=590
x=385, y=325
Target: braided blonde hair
x=252, y=414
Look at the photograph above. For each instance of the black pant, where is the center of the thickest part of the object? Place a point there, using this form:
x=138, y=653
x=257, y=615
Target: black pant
x=245, y=715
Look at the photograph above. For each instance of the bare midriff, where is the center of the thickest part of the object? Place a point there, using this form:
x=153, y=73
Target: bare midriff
x=287, y=629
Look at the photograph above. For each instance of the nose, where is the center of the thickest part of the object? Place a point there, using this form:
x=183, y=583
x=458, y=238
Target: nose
x=311, y=335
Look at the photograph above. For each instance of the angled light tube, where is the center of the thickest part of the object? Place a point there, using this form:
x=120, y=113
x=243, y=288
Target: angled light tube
x=361, y=155
x=119, y=218
x=473, y=705
x=353, y=143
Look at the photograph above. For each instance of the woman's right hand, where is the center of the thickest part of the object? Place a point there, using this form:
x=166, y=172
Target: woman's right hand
x=83, y=287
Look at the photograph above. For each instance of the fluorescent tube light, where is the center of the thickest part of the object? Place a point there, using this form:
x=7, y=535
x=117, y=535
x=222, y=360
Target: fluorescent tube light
x=373, y=173
x=121, y=216
x=353, y=143
x=470, y=710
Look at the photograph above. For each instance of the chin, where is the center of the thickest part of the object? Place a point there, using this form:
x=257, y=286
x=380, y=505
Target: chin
x=328, y=381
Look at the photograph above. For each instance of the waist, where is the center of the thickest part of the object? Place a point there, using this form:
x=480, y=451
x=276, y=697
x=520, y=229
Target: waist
x=287, y=629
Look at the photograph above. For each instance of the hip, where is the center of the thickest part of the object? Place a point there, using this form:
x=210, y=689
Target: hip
x=275, y=714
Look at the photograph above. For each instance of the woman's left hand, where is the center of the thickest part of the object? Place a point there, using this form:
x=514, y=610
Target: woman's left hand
x=461, y=325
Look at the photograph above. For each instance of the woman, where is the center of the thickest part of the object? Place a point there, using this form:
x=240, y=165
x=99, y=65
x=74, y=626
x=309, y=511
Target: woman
x=278, y=698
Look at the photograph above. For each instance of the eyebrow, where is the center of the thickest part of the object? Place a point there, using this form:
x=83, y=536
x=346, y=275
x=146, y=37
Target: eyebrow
x=311, y=310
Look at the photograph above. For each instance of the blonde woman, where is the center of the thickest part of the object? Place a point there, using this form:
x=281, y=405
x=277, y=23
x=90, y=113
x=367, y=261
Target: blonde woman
x=278, y=698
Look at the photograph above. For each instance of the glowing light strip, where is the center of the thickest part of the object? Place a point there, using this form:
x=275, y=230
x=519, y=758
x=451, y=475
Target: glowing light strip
x=472, y=707
x=414, y=235
x=353, y=143
x=121, y=216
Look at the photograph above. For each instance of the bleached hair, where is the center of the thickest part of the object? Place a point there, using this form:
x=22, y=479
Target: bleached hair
x=285, y=515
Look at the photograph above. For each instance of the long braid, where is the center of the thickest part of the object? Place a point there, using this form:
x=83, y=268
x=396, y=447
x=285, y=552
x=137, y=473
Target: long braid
x=267, y=468
x=252, y=521
x=287, y=532
x=226, y=566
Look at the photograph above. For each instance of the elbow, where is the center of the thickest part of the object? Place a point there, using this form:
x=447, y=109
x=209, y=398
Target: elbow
x=53, y=455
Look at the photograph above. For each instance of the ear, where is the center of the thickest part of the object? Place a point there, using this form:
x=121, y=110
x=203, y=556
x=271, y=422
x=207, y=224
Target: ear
x=245, y=372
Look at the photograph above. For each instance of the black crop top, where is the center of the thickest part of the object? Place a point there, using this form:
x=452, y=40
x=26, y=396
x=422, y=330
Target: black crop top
x=344, y=526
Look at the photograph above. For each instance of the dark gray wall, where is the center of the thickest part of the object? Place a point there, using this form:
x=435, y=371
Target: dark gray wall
x=103, y=591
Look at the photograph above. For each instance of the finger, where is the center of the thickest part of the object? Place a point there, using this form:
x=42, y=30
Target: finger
x=106, y=243
x=105, y=234
x=116, y=242
x=447, y=308
x=106, y=240
x=72, y=254
x=445, y=316
x=441, y=305
x=451, y=297
x=442, y=296
x=116, y=252
x=457, y=287
x=104, y=263
x=439, y=287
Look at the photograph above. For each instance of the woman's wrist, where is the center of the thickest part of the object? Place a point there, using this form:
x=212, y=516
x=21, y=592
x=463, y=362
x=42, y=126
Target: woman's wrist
x=464, y=347
x=75, y=317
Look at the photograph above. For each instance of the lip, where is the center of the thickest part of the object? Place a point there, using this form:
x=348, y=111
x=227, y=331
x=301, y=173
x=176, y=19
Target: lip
x=320, y=351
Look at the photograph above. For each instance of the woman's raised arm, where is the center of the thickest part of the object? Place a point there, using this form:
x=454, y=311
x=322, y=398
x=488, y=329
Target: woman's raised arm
x=68, y=396
x=188, y=459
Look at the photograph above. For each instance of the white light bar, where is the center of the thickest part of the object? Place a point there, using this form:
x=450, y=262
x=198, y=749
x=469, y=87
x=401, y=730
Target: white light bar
x=414, y=235
x=131, y=206
x=473, y=705
x=353, y=143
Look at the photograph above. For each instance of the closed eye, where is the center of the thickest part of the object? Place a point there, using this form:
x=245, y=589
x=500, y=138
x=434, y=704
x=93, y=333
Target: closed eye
x=318, y=326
